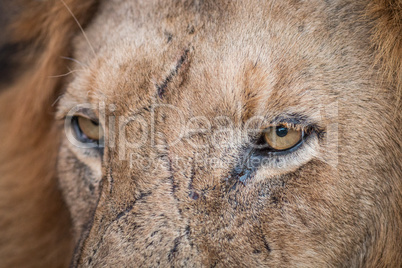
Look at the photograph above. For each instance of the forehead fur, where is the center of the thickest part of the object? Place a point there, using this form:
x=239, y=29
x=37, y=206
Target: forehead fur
x=229, y=55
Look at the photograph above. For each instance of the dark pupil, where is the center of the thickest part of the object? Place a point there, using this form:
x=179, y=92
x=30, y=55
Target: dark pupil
x=282, y=131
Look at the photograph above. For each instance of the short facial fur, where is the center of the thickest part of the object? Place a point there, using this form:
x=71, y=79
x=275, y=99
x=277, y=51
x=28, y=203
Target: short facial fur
x=150, y=69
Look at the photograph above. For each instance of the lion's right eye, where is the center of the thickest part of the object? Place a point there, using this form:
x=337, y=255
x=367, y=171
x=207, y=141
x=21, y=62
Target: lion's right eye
x=282, y=138
x=87, y=130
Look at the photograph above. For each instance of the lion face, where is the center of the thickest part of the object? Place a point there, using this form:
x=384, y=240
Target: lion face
x=229, y=134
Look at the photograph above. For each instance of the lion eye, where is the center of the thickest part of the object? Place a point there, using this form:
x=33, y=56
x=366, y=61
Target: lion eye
x=86, y=129
x=282, y=138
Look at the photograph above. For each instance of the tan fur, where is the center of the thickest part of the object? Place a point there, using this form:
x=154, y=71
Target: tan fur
x=334, y=203
x=387, y=37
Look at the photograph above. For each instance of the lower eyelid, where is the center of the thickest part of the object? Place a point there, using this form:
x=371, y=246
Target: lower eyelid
x=259, y=165
x=288, y=161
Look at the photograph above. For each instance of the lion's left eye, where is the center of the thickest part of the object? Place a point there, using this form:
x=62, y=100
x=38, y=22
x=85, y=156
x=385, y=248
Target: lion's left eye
x=281, y=138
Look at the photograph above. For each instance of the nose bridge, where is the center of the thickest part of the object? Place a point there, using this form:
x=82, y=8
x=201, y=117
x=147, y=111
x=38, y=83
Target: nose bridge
x=149, y=228
x=154, y=203
x=137, y=207
x=130, y=215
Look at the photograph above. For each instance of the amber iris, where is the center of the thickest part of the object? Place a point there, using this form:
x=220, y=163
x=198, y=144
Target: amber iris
x=282, y=138
x=89, y=128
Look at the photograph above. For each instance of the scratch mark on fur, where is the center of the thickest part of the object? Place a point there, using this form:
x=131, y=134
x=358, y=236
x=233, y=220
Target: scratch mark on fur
x=192, y=173
x=131, y=206
x=266, y=245
x=78, y=251
x=124, y=212
x=127, y=210
x=174, y=250
x=192, y=194
x=111, y=179
x=162, y=87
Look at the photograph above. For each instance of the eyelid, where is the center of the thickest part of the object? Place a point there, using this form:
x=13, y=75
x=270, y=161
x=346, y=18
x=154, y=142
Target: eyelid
x=294, y=120
x=298, y=122
x=87, y=113
x=91, y=114
x=93, y=119
x=288, y=125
